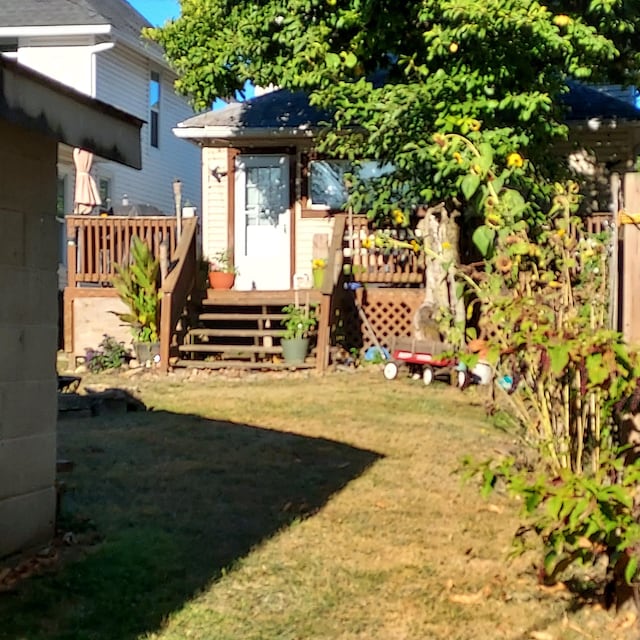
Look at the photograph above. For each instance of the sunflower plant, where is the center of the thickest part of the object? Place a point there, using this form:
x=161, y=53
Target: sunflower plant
x=540, y=304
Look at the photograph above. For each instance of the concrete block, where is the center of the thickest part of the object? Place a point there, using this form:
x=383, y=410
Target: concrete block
x=27, y=408
x=27, y=520
x=28, y=352
x=27, y=464
x=28, y=296
x=41, y=235
x=12, y=238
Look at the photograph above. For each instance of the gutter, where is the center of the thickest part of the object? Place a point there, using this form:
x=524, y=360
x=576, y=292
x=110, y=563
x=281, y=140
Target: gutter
x=56, y=31
x=234, y=133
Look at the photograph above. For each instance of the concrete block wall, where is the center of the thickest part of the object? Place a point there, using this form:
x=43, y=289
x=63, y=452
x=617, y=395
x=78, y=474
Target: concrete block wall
x=28, y=337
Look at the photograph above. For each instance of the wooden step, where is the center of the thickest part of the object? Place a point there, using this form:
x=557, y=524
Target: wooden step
x=209, y=316
x=249, y=349
x=235, y=333
x=260, y=298
x=242, y=364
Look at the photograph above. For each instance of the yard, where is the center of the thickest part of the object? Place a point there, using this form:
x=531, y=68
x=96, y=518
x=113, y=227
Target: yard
x=288, y=506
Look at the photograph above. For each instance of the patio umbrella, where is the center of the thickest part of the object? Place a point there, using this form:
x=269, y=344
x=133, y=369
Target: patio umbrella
x=86, y=192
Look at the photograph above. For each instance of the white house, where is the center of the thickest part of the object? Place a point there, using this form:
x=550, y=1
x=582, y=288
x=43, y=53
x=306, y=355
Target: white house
x=95, y=47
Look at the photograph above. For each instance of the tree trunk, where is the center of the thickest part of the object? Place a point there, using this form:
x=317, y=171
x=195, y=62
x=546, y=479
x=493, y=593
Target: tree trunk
x=441, y=235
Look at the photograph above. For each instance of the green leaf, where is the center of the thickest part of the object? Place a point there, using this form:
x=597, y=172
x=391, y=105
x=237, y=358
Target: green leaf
x=559, y=357
x=631, y=569
x=483, y=238
x=469, y=185
x=597, y=371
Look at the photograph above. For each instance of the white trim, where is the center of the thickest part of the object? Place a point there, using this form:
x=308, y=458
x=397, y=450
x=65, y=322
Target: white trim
x=203, y=133
x=56, y=30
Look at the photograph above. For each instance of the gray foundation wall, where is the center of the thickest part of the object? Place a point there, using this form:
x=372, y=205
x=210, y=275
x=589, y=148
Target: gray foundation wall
x=28, y=337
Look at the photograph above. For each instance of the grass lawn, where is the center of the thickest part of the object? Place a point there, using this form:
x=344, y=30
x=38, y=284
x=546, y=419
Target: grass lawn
x=288, y=507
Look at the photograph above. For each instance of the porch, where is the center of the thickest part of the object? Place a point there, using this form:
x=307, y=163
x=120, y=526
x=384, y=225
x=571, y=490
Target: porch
x=216, y=329
x=221, y=329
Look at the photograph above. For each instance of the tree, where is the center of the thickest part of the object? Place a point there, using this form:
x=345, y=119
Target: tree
x=395, y=72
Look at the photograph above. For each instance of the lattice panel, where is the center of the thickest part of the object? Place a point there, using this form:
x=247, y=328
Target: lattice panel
x=389, y=313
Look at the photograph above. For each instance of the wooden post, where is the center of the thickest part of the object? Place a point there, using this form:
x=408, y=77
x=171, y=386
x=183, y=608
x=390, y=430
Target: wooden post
x=164, y=260
x=177, y=196
x=322, y=356
x=631, y=259
x=165, y=330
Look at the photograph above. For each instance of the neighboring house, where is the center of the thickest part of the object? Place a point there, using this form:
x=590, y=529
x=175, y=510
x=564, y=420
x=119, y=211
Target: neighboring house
x=95, y=47
x=271, y=203
x=37, y=114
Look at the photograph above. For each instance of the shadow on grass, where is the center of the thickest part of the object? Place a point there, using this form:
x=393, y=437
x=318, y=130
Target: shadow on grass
x=178, y=499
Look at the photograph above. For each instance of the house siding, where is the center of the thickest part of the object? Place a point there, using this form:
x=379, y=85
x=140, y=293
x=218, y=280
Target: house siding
x=122, y=79
x=71, y=64
x=215, y=198
x=28, y=329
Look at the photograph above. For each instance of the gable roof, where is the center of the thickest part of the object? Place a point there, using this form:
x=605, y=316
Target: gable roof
x=287, y=113
x=277, y=109
x=117, y=14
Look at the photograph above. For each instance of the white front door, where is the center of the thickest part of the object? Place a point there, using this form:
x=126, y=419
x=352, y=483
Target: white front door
x=262, y=222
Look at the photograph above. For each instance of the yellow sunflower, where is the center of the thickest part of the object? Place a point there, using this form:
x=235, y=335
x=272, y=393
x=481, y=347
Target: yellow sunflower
x=561, y=20
x=398, y=216
x=515, y=160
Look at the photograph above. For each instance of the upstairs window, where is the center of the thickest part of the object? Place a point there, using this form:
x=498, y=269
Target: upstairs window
x=154, y=109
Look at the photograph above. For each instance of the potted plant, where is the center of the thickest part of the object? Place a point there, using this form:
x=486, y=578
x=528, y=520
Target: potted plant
x=298, y=323
x=318, y=268
x=222, y=271
x=138, y=285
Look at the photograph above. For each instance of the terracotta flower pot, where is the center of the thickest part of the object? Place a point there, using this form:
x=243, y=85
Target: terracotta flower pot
x=221, y=280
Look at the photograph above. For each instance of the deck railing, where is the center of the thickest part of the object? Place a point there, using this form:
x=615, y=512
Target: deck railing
x=96, y=244
x=369, y=264
x=405, y=266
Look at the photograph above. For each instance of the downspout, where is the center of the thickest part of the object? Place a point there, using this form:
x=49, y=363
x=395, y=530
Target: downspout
x=95, y=49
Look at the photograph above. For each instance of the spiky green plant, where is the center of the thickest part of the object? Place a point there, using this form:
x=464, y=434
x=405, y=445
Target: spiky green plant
x=137, y=284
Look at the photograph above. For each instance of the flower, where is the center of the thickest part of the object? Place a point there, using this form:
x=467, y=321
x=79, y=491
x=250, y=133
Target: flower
x=561, y=20
x=474, y=124
x=222, y=262
x=318, y=263
x=453, y=47
x=457, y=156
x=398, y=216
x=503, y=264
x=446, y=245
x=515, y=160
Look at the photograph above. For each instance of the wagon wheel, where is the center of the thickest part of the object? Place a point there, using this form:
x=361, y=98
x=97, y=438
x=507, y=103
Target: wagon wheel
x=428, y=374
x=390, y=370
x=464, y=379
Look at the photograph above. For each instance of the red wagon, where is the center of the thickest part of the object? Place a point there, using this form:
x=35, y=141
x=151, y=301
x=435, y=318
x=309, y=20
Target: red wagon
x=424, y=358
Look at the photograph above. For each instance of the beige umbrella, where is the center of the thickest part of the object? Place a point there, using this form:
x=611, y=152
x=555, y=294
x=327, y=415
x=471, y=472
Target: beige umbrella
x=86, y=192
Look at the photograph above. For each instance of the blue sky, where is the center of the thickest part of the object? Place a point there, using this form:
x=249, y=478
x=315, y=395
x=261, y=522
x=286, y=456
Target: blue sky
x=157, y=11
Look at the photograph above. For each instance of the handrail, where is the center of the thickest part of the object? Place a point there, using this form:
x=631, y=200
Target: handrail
x=177, y=287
